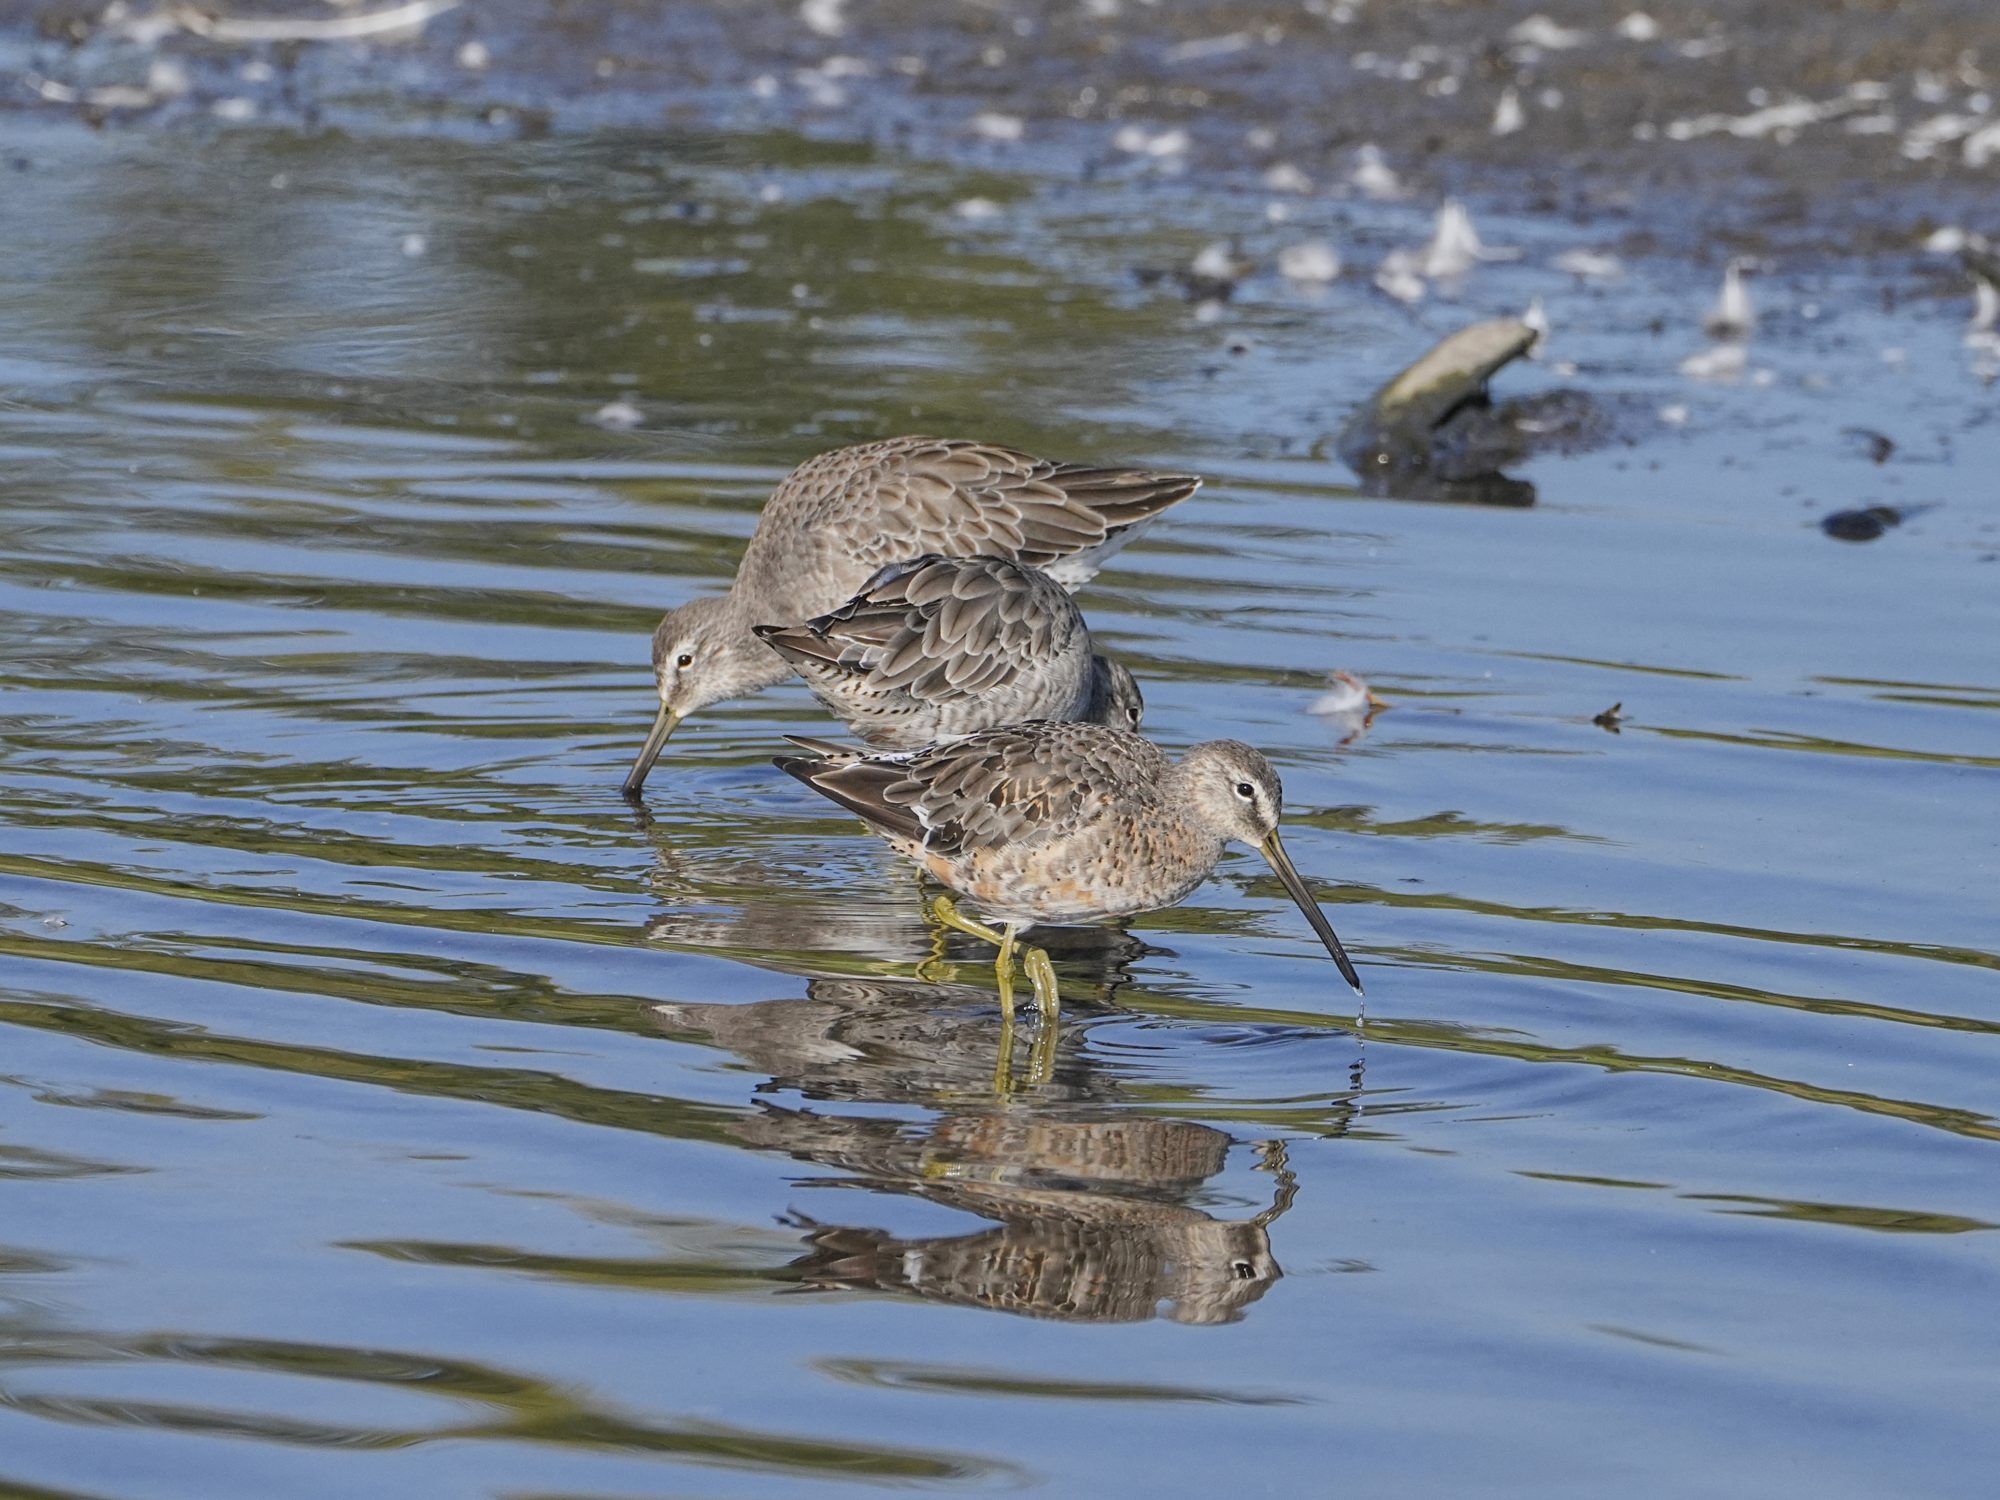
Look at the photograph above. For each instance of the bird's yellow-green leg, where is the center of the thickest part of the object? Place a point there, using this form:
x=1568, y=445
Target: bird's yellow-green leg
x=938, y=966
x=1003, y=969
x=1042, y=1055
x=946, y=911
x=936, y=963
x=1003, y=1060
x=1003, y=966
x=1042, y=974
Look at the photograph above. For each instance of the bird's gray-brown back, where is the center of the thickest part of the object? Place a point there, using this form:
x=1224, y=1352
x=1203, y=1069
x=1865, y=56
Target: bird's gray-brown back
x=842, y=515
x=838, y=518
x=1019, y=787
x=939, y=648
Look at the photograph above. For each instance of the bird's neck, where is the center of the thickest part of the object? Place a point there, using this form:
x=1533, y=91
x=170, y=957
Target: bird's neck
x=752, y=664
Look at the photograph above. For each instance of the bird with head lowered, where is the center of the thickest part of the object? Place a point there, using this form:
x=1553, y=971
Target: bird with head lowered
x=840, y=517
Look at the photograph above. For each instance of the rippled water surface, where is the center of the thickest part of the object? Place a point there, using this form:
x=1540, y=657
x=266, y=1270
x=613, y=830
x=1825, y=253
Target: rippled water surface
x=386, y=1108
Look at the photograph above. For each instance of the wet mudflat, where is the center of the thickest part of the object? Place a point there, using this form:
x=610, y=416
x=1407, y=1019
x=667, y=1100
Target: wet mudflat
x=385, y=1107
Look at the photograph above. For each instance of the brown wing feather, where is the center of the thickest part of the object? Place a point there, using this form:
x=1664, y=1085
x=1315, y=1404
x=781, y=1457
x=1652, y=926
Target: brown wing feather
x=801, y=645
x=858, y=786
x=939, y=628
x=1001, y=786
x=883, y=502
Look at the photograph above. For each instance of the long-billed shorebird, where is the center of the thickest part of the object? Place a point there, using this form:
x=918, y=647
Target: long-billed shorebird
x=1054, y=823
x=941, y=647
x=838, y=518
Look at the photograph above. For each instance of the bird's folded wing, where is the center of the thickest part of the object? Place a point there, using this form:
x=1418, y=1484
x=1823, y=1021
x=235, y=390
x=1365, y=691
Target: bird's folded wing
x=941, y=629
x=1000, y=787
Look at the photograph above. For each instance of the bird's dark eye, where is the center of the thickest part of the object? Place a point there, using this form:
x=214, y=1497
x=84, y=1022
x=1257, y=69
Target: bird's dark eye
x=685, y=659
x=1246, y=791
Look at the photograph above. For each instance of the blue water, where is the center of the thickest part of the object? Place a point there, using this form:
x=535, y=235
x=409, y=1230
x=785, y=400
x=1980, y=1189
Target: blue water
x=385, y=1108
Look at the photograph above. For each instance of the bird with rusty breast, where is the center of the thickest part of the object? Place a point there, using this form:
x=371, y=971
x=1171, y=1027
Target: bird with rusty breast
x=1064, y=822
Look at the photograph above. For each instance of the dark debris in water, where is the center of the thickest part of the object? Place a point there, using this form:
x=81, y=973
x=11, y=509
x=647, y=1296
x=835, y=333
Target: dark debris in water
x=1867, y=522
x=1434, y=431
x=1878, y=447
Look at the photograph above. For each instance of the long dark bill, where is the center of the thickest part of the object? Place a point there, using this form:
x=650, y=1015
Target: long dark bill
x=1274, y=851
x=663, y=726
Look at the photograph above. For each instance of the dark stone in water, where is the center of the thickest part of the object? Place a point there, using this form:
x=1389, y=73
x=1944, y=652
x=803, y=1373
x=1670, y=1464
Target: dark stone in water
x=1861, y=525
x=1434, y=431
x=1195, y=286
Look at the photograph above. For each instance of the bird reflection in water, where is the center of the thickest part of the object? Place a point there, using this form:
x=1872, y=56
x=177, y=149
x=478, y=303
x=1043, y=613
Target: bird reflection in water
x=1090, y=1205
x=804, y=929
x=1083, y=1254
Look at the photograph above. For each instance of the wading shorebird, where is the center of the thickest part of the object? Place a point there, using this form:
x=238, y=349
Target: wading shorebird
x=840, y=517
x=1058, y=823
x=940, y=647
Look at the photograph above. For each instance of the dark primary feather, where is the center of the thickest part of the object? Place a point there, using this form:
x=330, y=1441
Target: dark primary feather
x=857, y=785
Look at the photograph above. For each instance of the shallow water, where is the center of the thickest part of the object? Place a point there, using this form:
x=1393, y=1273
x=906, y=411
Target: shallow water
x=386, y=1108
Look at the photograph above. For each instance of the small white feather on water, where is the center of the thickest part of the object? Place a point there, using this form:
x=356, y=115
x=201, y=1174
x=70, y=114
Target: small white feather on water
x=1536, y=320
x=1455, y=246
x=1721, y=362
x=1982, y=146
x=1398, y=276
x=1309, y=261
x=824, y=17
x=1372, y=176
x=1732, y=317
x=1347, y=694
x=1136, y=140
x=1550, y=36
x=991, y=125
x=1589, y=265
x=1349, y=706
x=1283, y=177
x=1985, y=307
x=617, y=416
x=1218, y=261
